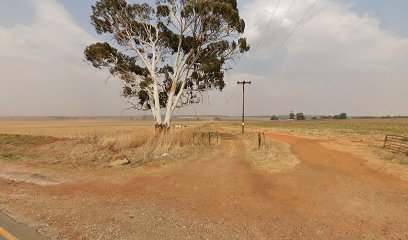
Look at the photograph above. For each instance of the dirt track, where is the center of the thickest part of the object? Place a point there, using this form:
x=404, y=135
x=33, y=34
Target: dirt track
x=330, y=195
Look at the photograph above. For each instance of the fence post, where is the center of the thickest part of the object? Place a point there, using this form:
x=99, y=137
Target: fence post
x=259, y=140
x=385, y=141
x=217, y=137
x=209, y=138
x=263, y=135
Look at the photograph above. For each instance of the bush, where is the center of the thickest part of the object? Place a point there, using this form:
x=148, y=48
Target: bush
x=274, y=118
x=300, y=116
x=341, y=116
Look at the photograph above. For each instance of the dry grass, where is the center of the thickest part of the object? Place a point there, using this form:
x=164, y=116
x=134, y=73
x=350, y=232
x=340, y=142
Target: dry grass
x=71, y=129
x=96, y=143
x=372, y=130
x=362, y=138
x=273, y=156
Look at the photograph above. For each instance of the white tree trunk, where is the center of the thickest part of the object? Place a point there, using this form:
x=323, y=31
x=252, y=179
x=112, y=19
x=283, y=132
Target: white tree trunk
x=167, y=119
x=157, y=111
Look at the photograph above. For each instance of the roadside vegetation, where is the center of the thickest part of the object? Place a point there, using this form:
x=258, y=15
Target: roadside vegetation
x=96, y=144
x=271, y=156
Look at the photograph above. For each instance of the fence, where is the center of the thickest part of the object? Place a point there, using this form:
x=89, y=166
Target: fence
x=397, y=144
x=213, y=137
x=209, y=137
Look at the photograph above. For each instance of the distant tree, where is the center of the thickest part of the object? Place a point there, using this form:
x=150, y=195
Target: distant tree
x=217, y=119
x=292, y=116
x=167, y=52
x=341, y=116
x=300, y=116
x=274, y=118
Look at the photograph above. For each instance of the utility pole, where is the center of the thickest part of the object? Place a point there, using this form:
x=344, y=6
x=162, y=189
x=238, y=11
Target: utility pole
x=243, y=103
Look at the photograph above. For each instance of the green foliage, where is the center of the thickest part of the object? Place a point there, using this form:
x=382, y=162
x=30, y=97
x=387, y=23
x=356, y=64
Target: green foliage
x=22, y=140
x=274, y=118
x=300, y=116
x=292, y=116
x=206, y=33
x=7, y=155
x=341, y=116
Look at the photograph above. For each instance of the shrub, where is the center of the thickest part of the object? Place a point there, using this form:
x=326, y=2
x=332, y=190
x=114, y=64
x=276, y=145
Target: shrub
x=341, y=116
x=300, y=116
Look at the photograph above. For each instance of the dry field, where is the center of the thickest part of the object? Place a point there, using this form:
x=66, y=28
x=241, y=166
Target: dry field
x=309, y=180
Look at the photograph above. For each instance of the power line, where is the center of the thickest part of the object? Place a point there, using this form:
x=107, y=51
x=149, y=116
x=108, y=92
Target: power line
x=290, y=34
x=280, y=23
x=297, y=26
x=227, y=101
x=267, y=26
x=253, y=52
x=280, y=46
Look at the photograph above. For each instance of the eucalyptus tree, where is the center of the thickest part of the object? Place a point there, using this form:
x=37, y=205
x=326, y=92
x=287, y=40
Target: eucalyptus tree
x=169, y=52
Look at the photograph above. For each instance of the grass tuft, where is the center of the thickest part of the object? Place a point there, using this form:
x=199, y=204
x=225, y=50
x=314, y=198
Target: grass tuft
x=7, y=155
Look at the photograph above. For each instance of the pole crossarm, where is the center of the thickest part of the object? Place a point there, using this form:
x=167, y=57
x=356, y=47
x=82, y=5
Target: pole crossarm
x=243, y=83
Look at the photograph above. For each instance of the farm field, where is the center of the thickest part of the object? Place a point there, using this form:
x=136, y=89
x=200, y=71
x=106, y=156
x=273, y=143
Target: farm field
x=309, y=180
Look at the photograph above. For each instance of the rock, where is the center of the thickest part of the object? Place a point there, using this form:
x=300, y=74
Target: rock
x=119, y=163
x=165, y=155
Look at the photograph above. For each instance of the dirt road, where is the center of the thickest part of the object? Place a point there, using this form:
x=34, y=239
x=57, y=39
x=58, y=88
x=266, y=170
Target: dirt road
x=329, y=195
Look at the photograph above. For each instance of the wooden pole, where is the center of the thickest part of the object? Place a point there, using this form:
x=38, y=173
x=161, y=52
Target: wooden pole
x=259, y=140
x=243, y=83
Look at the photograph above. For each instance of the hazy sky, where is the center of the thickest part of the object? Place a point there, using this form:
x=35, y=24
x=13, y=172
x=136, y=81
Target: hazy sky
x=345, y=56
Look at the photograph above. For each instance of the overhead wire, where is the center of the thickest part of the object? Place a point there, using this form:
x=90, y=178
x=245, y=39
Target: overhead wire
x=269, y=42
x=266, y=27
x=227, y=101
x=259, y=42
x=280, y=23
x=254, y=50
x=286, y=39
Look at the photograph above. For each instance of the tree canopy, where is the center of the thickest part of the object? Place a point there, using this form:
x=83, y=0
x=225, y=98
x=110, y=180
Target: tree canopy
x=167, y=53
x=300, y=116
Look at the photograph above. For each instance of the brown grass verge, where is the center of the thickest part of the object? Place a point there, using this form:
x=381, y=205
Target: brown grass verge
x=273, y=156
x=139, y=144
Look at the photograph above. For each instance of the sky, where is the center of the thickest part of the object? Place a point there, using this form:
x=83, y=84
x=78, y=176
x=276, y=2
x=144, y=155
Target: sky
x=339, y=56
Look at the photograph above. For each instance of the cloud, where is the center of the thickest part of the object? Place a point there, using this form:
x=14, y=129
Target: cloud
x=43, y=72
x=335, y=61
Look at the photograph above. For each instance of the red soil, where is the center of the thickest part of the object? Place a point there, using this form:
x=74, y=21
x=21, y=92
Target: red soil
x=329, y=195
